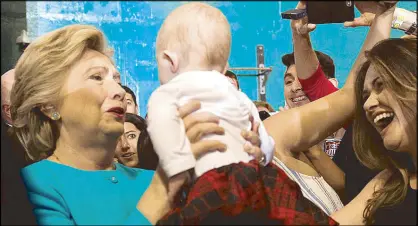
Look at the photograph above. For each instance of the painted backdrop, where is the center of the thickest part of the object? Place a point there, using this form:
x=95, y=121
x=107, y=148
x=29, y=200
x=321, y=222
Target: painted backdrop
x=131, y=28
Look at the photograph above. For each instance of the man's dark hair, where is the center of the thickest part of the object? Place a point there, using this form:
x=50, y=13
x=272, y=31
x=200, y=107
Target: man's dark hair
x=128, y=90
x=327, y=64
x=232, y=75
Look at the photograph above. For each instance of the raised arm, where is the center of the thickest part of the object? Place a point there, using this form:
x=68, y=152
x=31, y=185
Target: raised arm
x=300, y=128
x=306, y=60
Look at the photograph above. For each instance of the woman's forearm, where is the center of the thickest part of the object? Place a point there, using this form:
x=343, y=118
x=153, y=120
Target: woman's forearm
x=154, y=203
x=332, y=174
x=379, y=31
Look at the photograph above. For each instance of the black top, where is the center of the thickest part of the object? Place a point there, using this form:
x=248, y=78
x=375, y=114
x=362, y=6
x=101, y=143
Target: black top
x=404, y=213
x=357, y=176
x=15, y=206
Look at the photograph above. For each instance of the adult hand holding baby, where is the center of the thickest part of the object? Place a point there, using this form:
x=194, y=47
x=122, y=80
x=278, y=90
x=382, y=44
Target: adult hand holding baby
x=196, y=125
x=200, y=124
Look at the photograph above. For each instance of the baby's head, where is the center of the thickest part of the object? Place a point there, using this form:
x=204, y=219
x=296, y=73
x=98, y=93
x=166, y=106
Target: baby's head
x=195, y=36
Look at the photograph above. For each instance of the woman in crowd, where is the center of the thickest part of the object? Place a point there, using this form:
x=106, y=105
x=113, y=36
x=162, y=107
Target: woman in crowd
x=385, y=128
x=68, y=113
x=126, y=149
x=385, y=133
x=134, y=148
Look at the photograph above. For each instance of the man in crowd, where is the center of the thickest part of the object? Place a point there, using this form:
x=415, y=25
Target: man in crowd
x=295, y=95
x=16, y=208
x=132, y=106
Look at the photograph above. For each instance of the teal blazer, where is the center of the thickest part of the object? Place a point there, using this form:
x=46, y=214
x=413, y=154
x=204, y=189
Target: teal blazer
x=62, y=195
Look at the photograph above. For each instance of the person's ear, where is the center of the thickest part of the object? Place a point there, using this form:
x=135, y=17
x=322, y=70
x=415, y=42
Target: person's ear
x=51, y=112
x=172, y=59
x=6, y=109
x=334, y=81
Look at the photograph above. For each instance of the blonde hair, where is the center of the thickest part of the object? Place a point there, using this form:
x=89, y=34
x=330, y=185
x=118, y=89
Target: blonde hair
x=395, y=60
x=197, y=29
x=39, y=78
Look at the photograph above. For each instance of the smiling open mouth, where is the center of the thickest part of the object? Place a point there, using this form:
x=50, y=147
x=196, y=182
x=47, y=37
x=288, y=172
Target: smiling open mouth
x=383, y=120
x=298, y=99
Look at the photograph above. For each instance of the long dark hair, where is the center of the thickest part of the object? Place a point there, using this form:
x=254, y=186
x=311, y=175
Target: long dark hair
x=147, y=157
x=395, y=61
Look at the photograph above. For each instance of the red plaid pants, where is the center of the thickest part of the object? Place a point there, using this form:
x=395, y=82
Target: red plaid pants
x=246, y=193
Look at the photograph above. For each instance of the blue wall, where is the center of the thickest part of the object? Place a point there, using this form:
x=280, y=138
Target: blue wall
x=131, y=29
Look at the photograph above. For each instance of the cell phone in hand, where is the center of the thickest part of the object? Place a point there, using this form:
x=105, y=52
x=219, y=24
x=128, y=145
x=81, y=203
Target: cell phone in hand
x=294, y=14
x=327, y=12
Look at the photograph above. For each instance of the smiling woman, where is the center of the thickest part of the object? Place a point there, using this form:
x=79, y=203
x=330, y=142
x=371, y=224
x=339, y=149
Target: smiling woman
x=385, y=128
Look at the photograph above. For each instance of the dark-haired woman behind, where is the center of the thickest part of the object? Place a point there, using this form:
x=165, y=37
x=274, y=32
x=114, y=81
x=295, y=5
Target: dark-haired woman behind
x=134, y=147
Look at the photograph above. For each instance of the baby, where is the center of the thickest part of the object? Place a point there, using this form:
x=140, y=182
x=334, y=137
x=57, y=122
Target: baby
x=192, y=54
x=192, y=50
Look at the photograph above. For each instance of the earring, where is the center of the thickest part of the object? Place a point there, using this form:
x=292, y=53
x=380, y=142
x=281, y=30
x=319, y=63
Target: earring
x=56, y=116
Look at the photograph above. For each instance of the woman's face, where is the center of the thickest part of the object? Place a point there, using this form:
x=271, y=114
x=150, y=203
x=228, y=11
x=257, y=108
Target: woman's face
x=93, y=105
x=126, y=151
x=384, y=112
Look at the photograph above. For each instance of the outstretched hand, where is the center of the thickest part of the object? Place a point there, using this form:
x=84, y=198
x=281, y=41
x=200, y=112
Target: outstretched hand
x=368, y=10
x=365, y=19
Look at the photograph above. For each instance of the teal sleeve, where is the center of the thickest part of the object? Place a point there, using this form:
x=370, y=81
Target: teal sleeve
x=49, y=207
x=136, y=217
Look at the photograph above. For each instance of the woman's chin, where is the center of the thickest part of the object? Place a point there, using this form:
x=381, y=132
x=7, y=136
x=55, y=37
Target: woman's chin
x=392, y=145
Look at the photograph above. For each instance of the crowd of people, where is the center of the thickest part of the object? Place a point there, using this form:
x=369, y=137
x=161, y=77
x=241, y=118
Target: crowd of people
x=76, y=151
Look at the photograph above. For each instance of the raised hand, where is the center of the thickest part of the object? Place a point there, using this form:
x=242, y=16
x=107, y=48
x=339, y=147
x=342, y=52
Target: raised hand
x=301, y=26
x=368, y=10
x=365, y=19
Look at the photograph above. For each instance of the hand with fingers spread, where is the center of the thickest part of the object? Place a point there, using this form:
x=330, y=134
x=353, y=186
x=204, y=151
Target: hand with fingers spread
x=368, y=10
x=198, y=125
